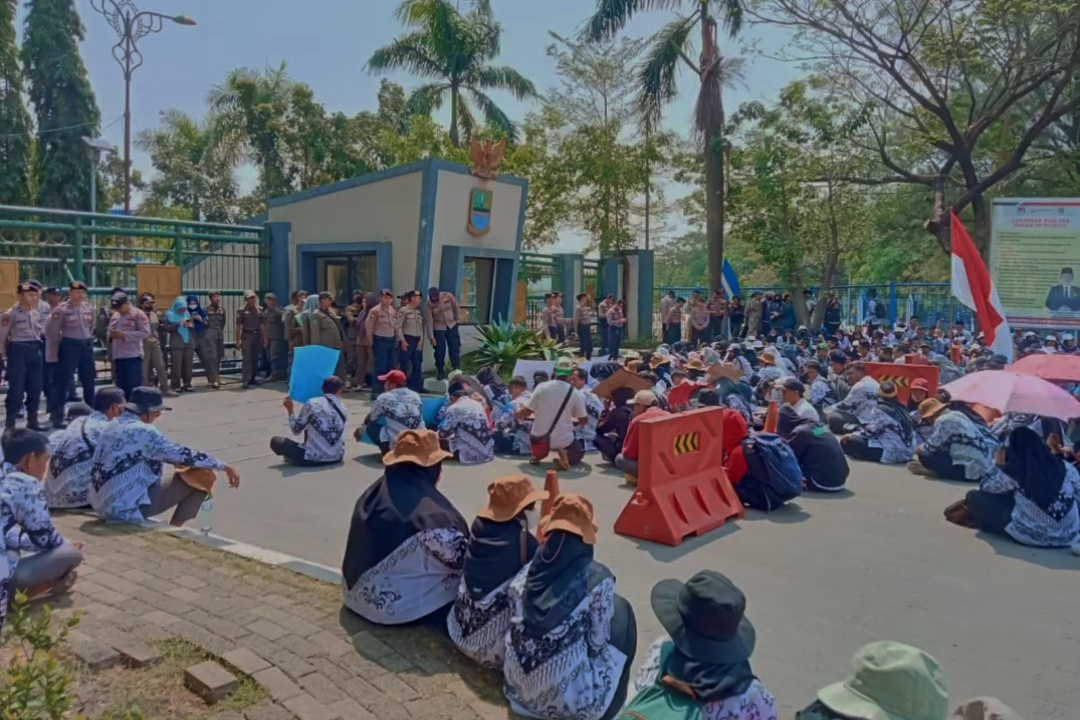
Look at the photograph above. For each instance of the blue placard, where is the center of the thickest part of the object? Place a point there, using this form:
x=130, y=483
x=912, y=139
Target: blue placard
x=311, y=365
x=432, y=406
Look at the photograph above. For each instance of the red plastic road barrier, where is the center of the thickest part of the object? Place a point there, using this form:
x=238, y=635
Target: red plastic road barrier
x=916, y=359
x=904, y=375
x=682, y=487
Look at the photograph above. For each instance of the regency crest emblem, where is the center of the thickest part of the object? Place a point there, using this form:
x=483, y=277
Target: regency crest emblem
x=486, y=158
x=480, y=212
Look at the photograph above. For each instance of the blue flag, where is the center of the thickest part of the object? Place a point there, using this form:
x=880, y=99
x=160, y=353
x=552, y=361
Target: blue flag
x=311, y=365
x=731, y=280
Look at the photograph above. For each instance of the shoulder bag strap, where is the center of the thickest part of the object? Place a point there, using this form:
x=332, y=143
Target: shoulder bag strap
x=561, y=408
x=82, y=429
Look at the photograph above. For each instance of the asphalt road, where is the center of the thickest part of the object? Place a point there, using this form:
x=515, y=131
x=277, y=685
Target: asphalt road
x=823, y=575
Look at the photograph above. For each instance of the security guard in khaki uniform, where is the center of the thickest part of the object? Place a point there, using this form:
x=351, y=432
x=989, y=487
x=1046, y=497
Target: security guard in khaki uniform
x=294, y=332
x=249, y=337
x=212, y=342
x=274, y=339
x=323, y=327
x=153, y=354
x=21, y=331
x=71, y=328
x=410, y=338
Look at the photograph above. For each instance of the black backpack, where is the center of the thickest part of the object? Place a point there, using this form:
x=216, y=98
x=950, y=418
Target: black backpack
x=773, y=476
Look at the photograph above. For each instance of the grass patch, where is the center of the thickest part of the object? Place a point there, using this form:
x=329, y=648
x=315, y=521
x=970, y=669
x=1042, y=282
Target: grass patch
x=158, y=691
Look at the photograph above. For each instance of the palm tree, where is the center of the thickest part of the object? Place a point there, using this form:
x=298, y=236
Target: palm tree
x=671, y=48
x=453, y=49
x=253, y=108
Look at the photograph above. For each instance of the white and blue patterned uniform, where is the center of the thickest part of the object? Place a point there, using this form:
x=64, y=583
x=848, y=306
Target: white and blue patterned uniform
x=571, y=673
x=520, y=429
x=955, y=435
x=744, y=366
x=400, y=409
x=68, y=483
x=757, y=703
x=478, y=627
x=594, y=408
x=466, y=430
x=860, y=401
x=1030, y=524
x=821, y=393
x=883, y=431
x=322, y=420
x=129, y=458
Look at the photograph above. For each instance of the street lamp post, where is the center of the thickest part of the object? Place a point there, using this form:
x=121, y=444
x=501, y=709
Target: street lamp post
x=98, y=149
x=131, y=25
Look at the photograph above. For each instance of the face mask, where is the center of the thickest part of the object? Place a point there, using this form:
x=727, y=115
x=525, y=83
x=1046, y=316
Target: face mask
x=193, y=307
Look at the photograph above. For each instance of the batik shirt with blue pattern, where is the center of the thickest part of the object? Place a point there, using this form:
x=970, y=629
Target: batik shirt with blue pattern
x=130, y=457
x=967, y=444
x=68, y=483
x=594, y=408
x=400, y=409
x=322, y=420
x=467, y=431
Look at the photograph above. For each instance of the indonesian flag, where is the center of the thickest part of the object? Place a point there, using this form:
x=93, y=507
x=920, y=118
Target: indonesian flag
x=972, y=286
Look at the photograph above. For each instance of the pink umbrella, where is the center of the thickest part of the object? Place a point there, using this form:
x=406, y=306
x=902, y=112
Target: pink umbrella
x=1015, y=392
x=1063, y=368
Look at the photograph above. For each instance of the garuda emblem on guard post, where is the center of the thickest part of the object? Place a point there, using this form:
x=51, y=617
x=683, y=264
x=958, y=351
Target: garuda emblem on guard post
x=486, y=158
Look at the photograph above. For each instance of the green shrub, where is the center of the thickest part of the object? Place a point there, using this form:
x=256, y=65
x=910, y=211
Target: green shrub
x=503, y=344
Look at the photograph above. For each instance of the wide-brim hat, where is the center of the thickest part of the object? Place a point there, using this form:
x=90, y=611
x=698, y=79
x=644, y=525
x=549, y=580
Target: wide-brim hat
x=767, y=358
x=145, y=400
x=420, y=447
x=930, y=407
x=573, y=514
x=705, y=618
x=508, y=496
x=890, y=681
x=657, y=360
x=695, y=364
x=198, y=478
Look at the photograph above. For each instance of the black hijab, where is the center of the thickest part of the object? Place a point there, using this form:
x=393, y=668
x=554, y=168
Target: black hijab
x=711, y=682
x=1038, y=472
x=562, y=574
x=402, y=503
x=902, y=416
x=494, y=554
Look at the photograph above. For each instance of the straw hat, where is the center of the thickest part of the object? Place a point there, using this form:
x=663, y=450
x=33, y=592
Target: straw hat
x=508, y=496
x=695, y=364
x=657, y=360
x=984, y=708
x=417, y=446
x=198, y=478
x=930, y=407
x=574, y=514
x=767, y=358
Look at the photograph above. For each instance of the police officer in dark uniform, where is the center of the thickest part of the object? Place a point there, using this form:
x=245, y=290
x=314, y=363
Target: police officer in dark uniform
x=53, y=297
x=249, y=338
x=21, y=332
x=71, y=328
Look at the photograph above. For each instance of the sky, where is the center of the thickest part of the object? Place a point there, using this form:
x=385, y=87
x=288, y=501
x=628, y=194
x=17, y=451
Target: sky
x=326, y=43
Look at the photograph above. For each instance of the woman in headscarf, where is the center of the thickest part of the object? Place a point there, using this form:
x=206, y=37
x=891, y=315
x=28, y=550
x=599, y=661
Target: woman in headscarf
x=1033, y=499
x=205, y=348
x=888, y=436
x=572, y=640
x=500, y=545
x=734, y=395
x=311, y=306
x=960, y=446
x=181, y=330
x=406, y=541
x=704, y=656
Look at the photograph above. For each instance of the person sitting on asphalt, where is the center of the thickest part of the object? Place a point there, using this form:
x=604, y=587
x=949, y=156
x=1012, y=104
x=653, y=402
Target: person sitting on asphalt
x=645, y=407
x=571, y=643
x=888, y=436
x=397, y=407
x=704, y=657
x=465, y=430
x=888, y=681
x=792, y=393
x=859, y=403
x=511, y=433
x=736, y=396
x=67, y=486
x=1033, y=499
x=406, y=541
x=126, y=481
x=821, y=458
x=556, y=408
x=500, y=546
x=594, y=408
x=767, y=376
x=27, y=527
x=614, y=423
x=961, y=445
x=924, y=418
x=920, y=390
x=322, y=420
x=821, y=393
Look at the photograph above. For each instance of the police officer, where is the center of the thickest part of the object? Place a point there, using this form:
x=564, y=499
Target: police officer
x=410, y=338
x=323, y=327
x=349, y=325
x=21, y=331
x=442, y=315
x=381, y=325
x=153, y=354
x=274, y=337
x=212, y=342
x=71, y=328
x=249, y=337
x=53, y=297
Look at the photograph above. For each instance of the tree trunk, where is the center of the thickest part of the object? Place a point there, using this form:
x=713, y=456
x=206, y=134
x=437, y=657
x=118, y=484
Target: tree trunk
x=817, y=318
x=455, y=139
x=714, y=215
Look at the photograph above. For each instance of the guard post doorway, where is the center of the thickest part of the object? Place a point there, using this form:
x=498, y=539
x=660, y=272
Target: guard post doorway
x=342, y=275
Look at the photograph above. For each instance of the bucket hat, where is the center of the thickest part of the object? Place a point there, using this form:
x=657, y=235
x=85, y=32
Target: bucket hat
x=930, y=407
x=508, y=496
x=417, y=446
x=890, y=681
x=705, y=617
x=573, y=514
x=563, y=367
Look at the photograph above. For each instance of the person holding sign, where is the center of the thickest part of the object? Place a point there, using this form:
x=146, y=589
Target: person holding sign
x=322, y=420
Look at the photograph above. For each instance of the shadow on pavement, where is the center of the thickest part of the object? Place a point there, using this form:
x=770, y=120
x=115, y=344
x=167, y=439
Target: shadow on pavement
x=1050, y=558
x=666, y=553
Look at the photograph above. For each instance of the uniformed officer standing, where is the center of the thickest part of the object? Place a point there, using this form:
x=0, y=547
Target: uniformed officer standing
x=381, y=326
x=71, y=328
x=53, y=297
x=21, y=331
x=249, y=337
x=441, y=317
x=128, y=328
x=290, y=318
x=153, y=354
x=42, y=303
x=410, y=338
x=351, y=313
x=274, y=337
x=212, y=342
x=323, y=327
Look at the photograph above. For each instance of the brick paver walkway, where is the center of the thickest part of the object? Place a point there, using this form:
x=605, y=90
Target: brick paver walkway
x=287, y=631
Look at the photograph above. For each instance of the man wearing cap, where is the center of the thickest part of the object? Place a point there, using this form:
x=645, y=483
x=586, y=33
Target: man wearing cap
x=273, y=334
x=126, y=482
x=556, y=408
x=920, y=390
x=791, y=395
x=441, y=320
x=70, y=328
x=212, y=340
x=249, y=337
x=409, y=334
x=323, y=327
x=293, y=331
x=399, y=409
x=382, y=329
x=21, y=330
x=128, y=328
x=645, y=407
x=153, y=354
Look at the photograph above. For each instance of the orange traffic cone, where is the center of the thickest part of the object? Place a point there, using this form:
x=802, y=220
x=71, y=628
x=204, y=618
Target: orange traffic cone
x=771, y=417
x=551, y=486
